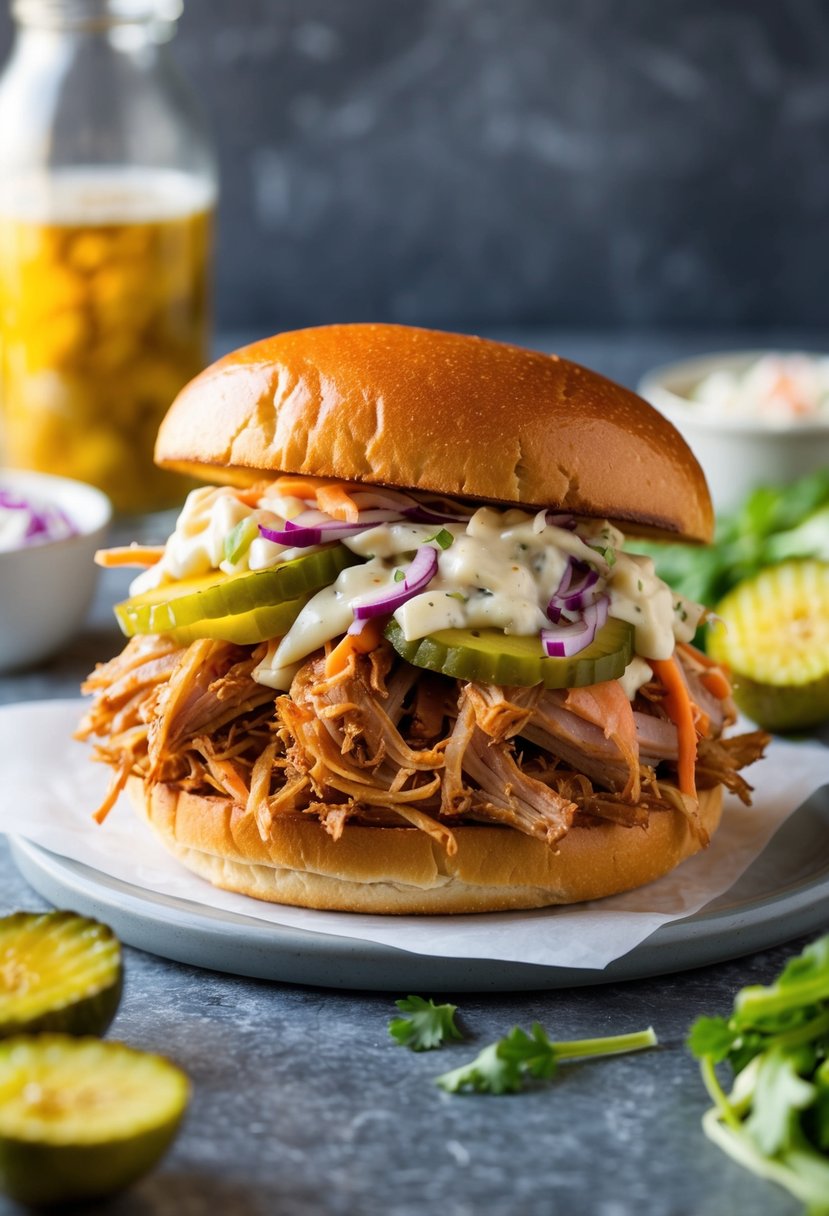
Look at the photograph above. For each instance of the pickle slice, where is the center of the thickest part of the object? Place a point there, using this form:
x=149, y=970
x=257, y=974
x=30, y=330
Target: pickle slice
x=773, y=635
x=81, y=1118
x=58, y=971
x=190, y=602
x=488, y=656
x=258, y=625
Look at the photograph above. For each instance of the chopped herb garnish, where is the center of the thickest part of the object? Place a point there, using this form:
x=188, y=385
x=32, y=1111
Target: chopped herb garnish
x=443, y=538
x=609, y=554
x=238, y=540
x=399, y=576
x=640, y=585
x=426, y=1027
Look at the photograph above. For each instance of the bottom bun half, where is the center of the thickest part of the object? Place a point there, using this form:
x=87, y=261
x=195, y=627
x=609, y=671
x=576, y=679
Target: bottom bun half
x=403, y=870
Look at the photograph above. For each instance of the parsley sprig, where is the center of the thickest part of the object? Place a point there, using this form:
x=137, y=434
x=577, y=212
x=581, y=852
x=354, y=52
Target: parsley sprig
x=426, y=1027
x=505, y=1066
x=775, y=1119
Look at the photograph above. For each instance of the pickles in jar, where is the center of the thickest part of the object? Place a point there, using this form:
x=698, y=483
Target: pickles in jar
x=103, y=318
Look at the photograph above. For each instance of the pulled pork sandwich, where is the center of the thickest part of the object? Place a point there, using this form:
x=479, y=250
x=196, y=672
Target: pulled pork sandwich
x=399, y=659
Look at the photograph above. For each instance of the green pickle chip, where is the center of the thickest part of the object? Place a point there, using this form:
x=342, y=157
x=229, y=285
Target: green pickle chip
x=772, y=632
x=80, y=1118
x=489, y=656
x=58, y=971
x=246, y=607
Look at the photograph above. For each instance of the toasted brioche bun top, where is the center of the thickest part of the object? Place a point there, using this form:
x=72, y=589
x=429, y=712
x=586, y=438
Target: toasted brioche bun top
x=425, y=410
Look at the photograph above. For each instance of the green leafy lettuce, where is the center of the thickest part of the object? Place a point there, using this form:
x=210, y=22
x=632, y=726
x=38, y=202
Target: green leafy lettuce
x=773, y=525
x=775, y=1120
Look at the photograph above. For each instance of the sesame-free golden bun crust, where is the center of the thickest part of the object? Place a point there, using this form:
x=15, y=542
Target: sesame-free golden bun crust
x=403, y=870
x=448, y=413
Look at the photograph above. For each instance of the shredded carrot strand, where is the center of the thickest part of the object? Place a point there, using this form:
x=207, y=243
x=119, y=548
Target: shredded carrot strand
x=250, y=495
x=714, y=678
x=717, y=683
x=338, y=503
x=354, y=643
x=680, y=710
x=300, y=487
x=129, y=555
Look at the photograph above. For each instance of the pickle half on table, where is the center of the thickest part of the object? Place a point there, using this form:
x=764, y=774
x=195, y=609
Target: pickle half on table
x=58, y=972
x=81, y=1118
x=772, y=632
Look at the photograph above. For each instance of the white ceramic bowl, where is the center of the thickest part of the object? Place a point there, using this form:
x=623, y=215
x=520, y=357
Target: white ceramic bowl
x=46, y=589
x=737, y=454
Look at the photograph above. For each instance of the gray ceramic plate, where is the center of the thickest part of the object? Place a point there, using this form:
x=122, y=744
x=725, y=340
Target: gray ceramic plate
x=783, y=895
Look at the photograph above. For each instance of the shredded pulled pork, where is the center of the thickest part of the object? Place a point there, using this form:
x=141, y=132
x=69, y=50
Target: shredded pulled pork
x=384, y=743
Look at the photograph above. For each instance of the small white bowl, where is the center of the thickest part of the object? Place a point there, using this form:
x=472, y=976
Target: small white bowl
x=736, y=454
x=46, y=588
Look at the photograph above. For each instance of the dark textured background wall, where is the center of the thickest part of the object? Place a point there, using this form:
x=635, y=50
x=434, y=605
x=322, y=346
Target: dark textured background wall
x=475, y=162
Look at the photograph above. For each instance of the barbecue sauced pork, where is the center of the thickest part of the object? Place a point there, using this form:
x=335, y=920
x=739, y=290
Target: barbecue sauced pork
x=384, y=743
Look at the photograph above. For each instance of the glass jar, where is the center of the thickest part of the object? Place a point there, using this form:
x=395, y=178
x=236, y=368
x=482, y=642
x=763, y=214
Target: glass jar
x=107, y=189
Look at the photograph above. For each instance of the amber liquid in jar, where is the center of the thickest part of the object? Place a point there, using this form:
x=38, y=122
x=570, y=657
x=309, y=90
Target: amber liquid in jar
x=104, y=285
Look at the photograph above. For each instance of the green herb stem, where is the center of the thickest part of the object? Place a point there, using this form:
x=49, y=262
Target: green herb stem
x=755, y=1003
x=718, y=1095
x=608, y=1046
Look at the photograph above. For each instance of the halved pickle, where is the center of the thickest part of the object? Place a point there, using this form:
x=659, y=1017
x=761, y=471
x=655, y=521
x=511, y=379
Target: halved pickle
x=489, y=656
x=58, y=971
x=82, y=1118
x=217, y=597
x=773, y=635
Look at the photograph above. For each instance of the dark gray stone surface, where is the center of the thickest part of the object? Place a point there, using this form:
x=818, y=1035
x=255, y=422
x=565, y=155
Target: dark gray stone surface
x=302, y=1104
x=470, y=162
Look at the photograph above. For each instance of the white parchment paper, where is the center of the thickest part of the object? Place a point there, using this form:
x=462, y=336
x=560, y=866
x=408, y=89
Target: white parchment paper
x=49, y=788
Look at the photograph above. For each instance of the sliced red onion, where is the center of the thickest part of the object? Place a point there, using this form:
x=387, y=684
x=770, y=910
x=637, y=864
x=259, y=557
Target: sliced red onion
x=436, y=513
x=555, y=519
x=418, y=576
x=431, y=510
x=566, y=639
x=315, y=527
x=582, y=590
x=576, y=590
x=357, y=626
x=389, y=500
x=43, y=521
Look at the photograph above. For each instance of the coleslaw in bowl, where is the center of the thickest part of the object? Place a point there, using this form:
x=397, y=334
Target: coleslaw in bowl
x=50, y=528
x=752, y=418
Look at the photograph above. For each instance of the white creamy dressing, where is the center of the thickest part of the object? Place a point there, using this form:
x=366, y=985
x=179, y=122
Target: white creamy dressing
x=207, y=519
x=499, y=570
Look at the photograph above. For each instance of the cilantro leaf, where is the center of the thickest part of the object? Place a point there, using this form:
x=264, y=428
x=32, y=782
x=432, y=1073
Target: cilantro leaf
x=488, y=1073
x=804, y=982
x=428, y=1025
x=504, y=1066
x=775, y=1121
x=780, y=1093
x=533, y=1052
x=712, y=1037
